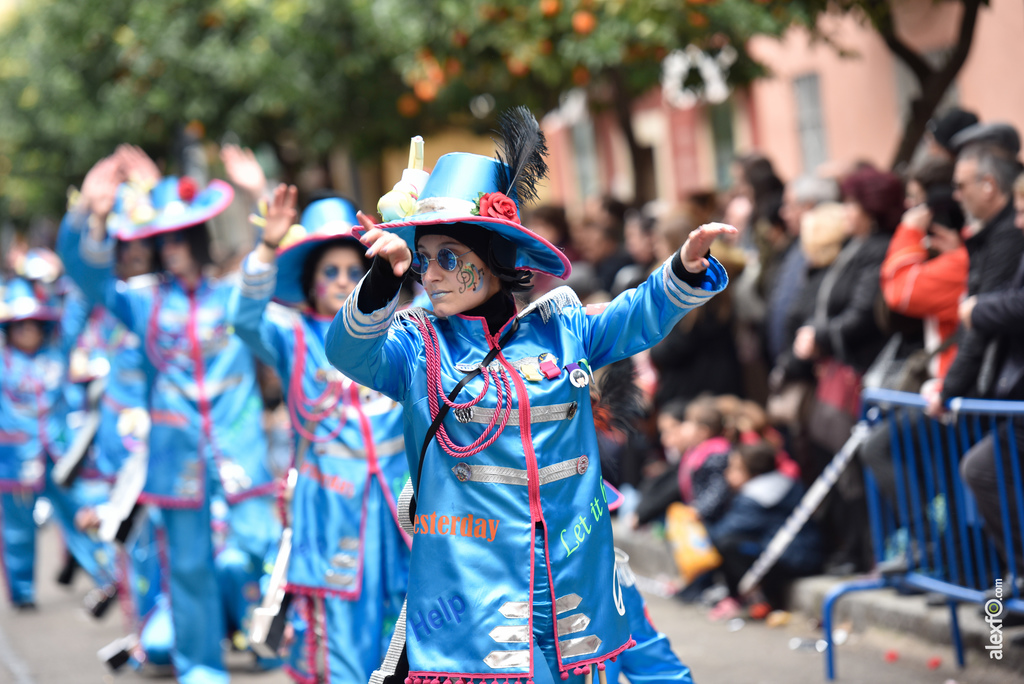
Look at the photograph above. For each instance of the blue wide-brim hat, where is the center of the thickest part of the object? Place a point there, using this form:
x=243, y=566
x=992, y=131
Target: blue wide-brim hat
x=323, y=221
x=453, y=193
x=22, y=301
x=177, y=204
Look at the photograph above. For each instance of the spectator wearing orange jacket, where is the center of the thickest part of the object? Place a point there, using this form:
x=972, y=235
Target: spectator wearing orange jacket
x=924, y=274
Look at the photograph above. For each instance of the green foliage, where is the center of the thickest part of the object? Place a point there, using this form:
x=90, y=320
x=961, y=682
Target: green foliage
x=77, y=78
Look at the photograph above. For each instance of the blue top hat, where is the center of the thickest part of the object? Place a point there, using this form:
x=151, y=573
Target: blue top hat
x=23, y=301
x=463, y=188
x=177, y=203
x=325, y=220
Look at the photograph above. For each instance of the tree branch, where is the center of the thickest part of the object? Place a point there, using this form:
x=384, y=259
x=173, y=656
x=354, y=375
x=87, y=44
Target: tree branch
x=964, y=39
x=915, y=62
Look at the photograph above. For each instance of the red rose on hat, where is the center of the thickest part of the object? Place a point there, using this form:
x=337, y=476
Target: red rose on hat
x=187, y=189
x=498, y=205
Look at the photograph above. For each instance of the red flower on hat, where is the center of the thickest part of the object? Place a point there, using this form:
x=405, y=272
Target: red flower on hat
x=187, y=189
x=498, y=205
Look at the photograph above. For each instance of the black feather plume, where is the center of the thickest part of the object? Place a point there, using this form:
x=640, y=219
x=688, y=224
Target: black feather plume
x=522, y=150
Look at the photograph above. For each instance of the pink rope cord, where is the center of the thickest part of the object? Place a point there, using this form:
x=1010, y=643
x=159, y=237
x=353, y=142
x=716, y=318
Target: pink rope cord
x=431, y=348
x=298, y=401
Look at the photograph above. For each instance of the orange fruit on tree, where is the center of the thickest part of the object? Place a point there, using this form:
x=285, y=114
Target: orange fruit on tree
x=550, y=8
x=425, y=90
x=516, y=66
x=583, y=22
x=408, y=106
x=580, y=75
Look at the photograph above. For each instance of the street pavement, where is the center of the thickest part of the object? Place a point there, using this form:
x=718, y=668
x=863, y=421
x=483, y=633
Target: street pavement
x=57, y=644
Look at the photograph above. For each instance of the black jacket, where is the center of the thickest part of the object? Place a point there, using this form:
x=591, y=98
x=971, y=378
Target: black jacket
x=850, y=332
x=1001, y=314
x=995, y=252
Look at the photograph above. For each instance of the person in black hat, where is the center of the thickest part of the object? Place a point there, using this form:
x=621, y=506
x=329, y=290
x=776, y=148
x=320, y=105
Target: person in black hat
x=941, y=130
x=1002, y=136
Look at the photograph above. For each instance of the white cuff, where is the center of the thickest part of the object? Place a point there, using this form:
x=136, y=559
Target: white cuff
x=365, y=326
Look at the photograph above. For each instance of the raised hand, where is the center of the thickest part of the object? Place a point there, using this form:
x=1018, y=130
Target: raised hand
x=136, y=166
x=244, y=171
x=699, y=242
x=280, y=214
x=385, y=245
x=99, y=190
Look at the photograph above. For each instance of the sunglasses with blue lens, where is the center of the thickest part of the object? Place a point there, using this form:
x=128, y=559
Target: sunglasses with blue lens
x=355, y=273
x=446, y=259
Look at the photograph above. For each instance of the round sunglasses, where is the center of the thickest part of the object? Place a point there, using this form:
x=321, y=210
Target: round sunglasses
x=331, y=272
x=446, y=259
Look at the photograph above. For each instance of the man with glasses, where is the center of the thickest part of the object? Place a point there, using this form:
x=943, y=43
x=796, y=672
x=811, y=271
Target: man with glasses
x=983, y=178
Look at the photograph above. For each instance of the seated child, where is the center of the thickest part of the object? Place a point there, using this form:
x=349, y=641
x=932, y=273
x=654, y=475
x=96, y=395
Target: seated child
x=764, y=498
x=691, y=435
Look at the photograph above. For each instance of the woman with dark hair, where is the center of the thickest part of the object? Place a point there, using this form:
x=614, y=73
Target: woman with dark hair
x=351, y=559
x=845, y=325
x=206, y=443
x=513, y=571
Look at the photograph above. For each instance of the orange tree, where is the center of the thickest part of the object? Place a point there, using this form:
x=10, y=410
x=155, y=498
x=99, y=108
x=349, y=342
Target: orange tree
x=531, y=52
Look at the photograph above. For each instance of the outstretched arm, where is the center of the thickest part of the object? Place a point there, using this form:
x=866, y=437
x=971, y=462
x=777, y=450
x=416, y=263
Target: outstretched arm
x=639, y=318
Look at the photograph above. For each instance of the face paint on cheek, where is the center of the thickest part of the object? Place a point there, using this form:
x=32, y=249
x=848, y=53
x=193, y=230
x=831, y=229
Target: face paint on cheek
x=471, y=278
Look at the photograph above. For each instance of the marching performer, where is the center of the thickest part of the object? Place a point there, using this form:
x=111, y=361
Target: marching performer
x=349, y=563
x=34, y=432
x=206, y=442
x=513, y=572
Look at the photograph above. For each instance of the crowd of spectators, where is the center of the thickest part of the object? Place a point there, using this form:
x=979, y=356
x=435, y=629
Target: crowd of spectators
x=862, y=278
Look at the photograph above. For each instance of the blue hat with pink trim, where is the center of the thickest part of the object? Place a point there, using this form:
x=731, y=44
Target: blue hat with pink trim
x=24, y=301
x=174, y=204
x=486, y=192
x=323, y=221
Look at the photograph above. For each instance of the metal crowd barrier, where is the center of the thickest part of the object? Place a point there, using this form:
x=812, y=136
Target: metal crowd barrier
x=930, y=536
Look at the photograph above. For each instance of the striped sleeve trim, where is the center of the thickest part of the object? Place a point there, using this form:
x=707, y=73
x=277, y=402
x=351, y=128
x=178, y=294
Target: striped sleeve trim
x=681, y=294
x=367, y=326
x=99, y=254
x=258, y=283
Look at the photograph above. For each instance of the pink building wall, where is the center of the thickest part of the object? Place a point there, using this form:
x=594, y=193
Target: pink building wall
x=860, y=98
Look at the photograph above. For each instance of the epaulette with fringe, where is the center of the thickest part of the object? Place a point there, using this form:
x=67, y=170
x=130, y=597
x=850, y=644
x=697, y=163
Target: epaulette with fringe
x=283, y=315
x=141, y=282
x=416, y=312
x=553, y=302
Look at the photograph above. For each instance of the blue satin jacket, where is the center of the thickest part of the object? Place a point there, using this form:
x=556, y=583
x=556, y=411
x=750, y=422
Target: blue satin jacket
x=470, y=604
x=35, y=400
x=105, y=337
x=344, y=494
x=201, y=385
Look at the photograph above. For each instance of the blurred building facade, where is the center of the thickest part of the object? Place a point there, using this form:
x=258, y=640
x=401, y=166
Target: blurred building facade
x=817, y=111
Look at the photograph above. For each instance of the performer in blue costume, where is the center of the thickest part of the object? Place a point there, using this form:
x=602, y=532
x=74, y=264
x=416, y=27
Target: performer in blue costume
x=349, y=560
x=206, y=439
x=110, y=350
x=513, y=571
x=34, y=433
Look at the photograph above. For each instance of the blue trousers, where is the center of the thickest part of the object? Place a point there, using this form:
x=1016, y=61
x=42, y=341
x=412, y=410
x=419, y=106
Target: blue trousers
x=18, y=537
x=212, y=588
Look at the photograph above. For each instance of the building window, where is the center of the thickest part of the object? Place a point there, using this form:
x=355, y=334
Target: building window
x=725, y=150
x=810, y=122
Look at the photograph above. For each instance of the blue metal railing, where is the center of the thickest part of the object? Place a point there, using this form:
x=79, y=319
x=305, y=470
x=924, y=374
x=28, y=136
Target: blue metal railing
x=928, y=533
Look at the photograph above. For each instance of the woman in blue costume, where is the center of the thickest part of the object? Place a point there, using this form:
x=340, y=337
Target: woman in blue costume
x=114, y=353
x=349, y=560
x=206, y=442
x=34, y=407
x=513, y=572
